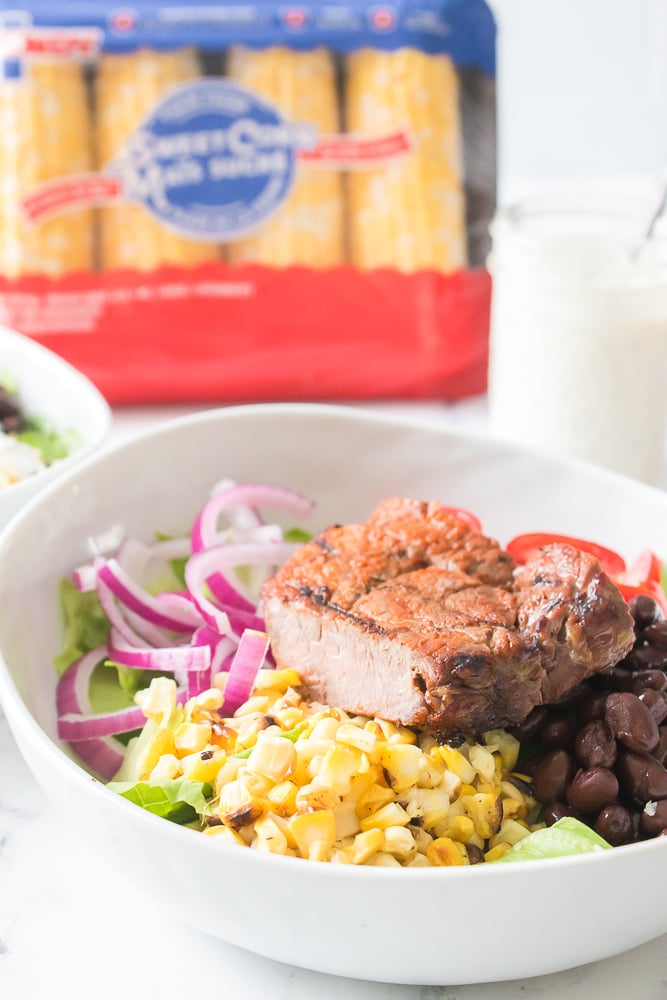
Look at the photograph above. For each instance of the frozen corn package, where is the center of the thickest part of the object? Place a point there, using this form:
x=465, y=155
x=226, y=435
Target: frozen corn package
x=248, y=201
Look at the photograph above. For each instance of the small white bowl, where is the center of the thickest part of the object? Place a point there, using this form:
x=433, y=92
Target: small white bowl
x=50, y=388
x=442, y=925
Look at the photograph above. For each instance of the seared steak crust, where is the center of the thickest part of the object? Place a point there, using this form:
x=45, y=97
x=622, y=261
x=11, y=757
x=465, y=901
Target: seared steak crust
x=418, y=618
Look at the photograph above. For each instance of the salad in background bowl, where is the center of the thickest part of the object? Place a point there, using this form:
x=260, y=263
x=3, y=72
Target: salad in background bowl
x=51, y=416
x=363, y=921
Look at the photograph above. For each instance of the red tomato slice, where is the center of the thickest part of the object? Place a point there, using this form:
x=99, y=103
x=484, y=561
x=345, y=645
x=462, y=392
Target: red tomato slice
x=649, y=589
x=646, y=567
x=524, y=546
x=465, y=515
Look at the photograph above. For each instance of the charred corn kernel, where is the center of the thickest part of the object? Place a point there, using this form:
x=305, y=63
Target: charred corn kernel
x=315, y=833
x=355, y=736
x=360, y=784
x=483, y=761
x=45, y=127
x=365, y=845
x=288, y=718
x=308, y=228
x=485, y=811
x=431, y=772
x=430, y=805
x=445, y=851
x=422, y=838
x=373, y=799
x=398, y=840
x=410, y=212
x=459, y=828
x=392, y=814
x=233, y=796
x=269, y=836
x=508, y=746
x=162, y=742
x=316, y=797
x=274, y=757
x=510, y=832
x=257, y=784
x=167, y=767
x=460, y=765
x=276, y=680
x=283, y=797
x=347, y=821
x=201, y=766
x=402, y=765
x=396, y=734
x=207, y=701
x=158, y=700
x=228, y=772
x=191, y=737
x=496, y=852
x=383, y=860
x=225, y=834
x=339, y=765
x=451, y=784
x=127, y=88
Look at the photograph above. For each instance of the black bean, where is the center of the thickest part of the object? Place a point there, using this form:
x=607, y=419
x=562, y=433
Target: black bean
x=656, y=702
x=529, y=728
x=643, y=777
x=660, y=752
x=594, y=745
x=592, y=789
x=614, y=679
x=656, y=679
x=647, y=657
x=644, y=610
x=615, y=824
x=592, y=708
x=554, y=811
x=654, y=822
x=631, y=722
x=552, y=775
x=656, y=634
x=557, y=734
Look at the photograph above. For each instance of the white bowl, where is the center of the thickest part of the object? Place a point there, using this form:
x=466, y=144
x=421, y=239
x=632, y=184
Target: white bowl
x=454, y=925
x=50, y=388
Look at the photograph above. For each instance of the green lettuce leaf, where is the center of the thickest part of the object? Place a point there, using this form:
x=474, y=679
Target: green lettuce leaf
x=297, y=535
x=566, y=837
x=50, y=443
x=179, y=800
x=85, y=626
x=663, y=577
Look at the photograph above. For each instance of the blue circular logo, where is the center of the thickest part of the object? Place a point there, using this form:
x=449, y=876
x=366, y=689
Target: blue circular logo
x=213, y=160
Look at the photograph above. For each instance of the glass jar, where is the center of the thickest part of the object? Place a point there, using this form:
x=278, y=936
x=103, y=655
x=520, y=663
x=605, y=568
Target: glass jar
x=578, y=352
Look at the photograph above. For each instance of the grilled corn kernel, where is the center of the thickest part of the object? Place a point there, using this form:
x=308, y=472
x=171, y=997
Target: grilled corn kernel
x=158, y=700
x=459, y=828
x=339, y=766
x=485, y=811
x=191, y=737
x=258, y=703
x=373, y=799
x=276, y=680
x=510, y=832
x=203, y=766
x=347, y=821
x=167, y=767
x=392, y=814
x=459, y=764
x=358, y=738
x=419, y=861
x=274, y=757
x=283, y=797
x=398, y=840
x=228, y=772
x=269, y=836
x=430, y=805
x=396, y=734
x=496, y=852
x=445, y=851
x=483, y=761
x=402, y=765
x=162, y=742
x=225, y=834
x=508, y=746
x=315, y=833
x=207, y=701
x=383, y=860
x=365, y=845
x=316, y=797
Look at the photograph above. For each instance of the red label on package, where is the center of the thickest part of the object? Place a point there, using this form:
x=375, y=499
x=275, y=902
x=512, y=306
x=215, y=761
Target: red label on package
x=357, y=150
x=56, y=196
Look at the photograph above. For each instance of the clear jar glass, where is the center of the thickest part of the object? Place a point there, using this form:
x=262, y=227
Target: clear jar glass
x=578, y=352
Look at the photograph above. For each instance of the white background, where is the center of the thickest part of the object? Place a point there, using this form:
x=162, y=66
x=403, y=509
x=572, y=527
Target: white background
x=582, y=92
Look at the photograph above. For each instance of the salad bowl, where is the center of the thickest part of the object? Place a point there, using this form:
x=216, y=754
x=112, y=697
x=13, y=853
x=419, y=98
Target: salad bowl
x=458, y=925
x=61, y=399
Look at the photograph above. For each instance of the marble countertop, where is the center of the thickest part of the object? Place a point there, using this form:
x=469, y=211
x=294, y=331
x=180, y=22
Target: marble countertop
x=71, y=928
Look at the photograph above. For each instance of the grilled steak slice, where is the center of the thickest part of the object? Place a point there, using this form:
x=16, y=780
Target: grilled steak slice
x=417, y=618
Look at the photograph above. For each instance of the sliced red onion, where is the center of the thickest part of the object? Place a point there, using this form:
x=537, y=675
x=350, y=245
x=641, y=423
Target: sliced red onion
x=252, y=495
x=84, y=578
x=183, y=619
x=243, y=670
x=167, y=659
x=213, y=567
x=103, y=755
x=75, y=727
x=118, y=621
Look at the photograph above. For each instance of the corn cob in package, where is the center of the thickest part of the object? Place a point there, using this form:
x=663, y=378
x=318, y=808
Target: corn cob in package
x=224, y=202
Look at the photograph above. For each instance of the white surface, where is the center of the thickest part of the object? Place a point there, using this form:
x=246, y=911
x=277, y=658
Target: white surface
x=581, y=87
x=93, y=933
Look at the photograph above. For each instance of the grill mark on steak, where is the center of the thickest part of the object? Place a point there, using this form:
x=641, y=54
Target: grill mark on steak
x=418, y=618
